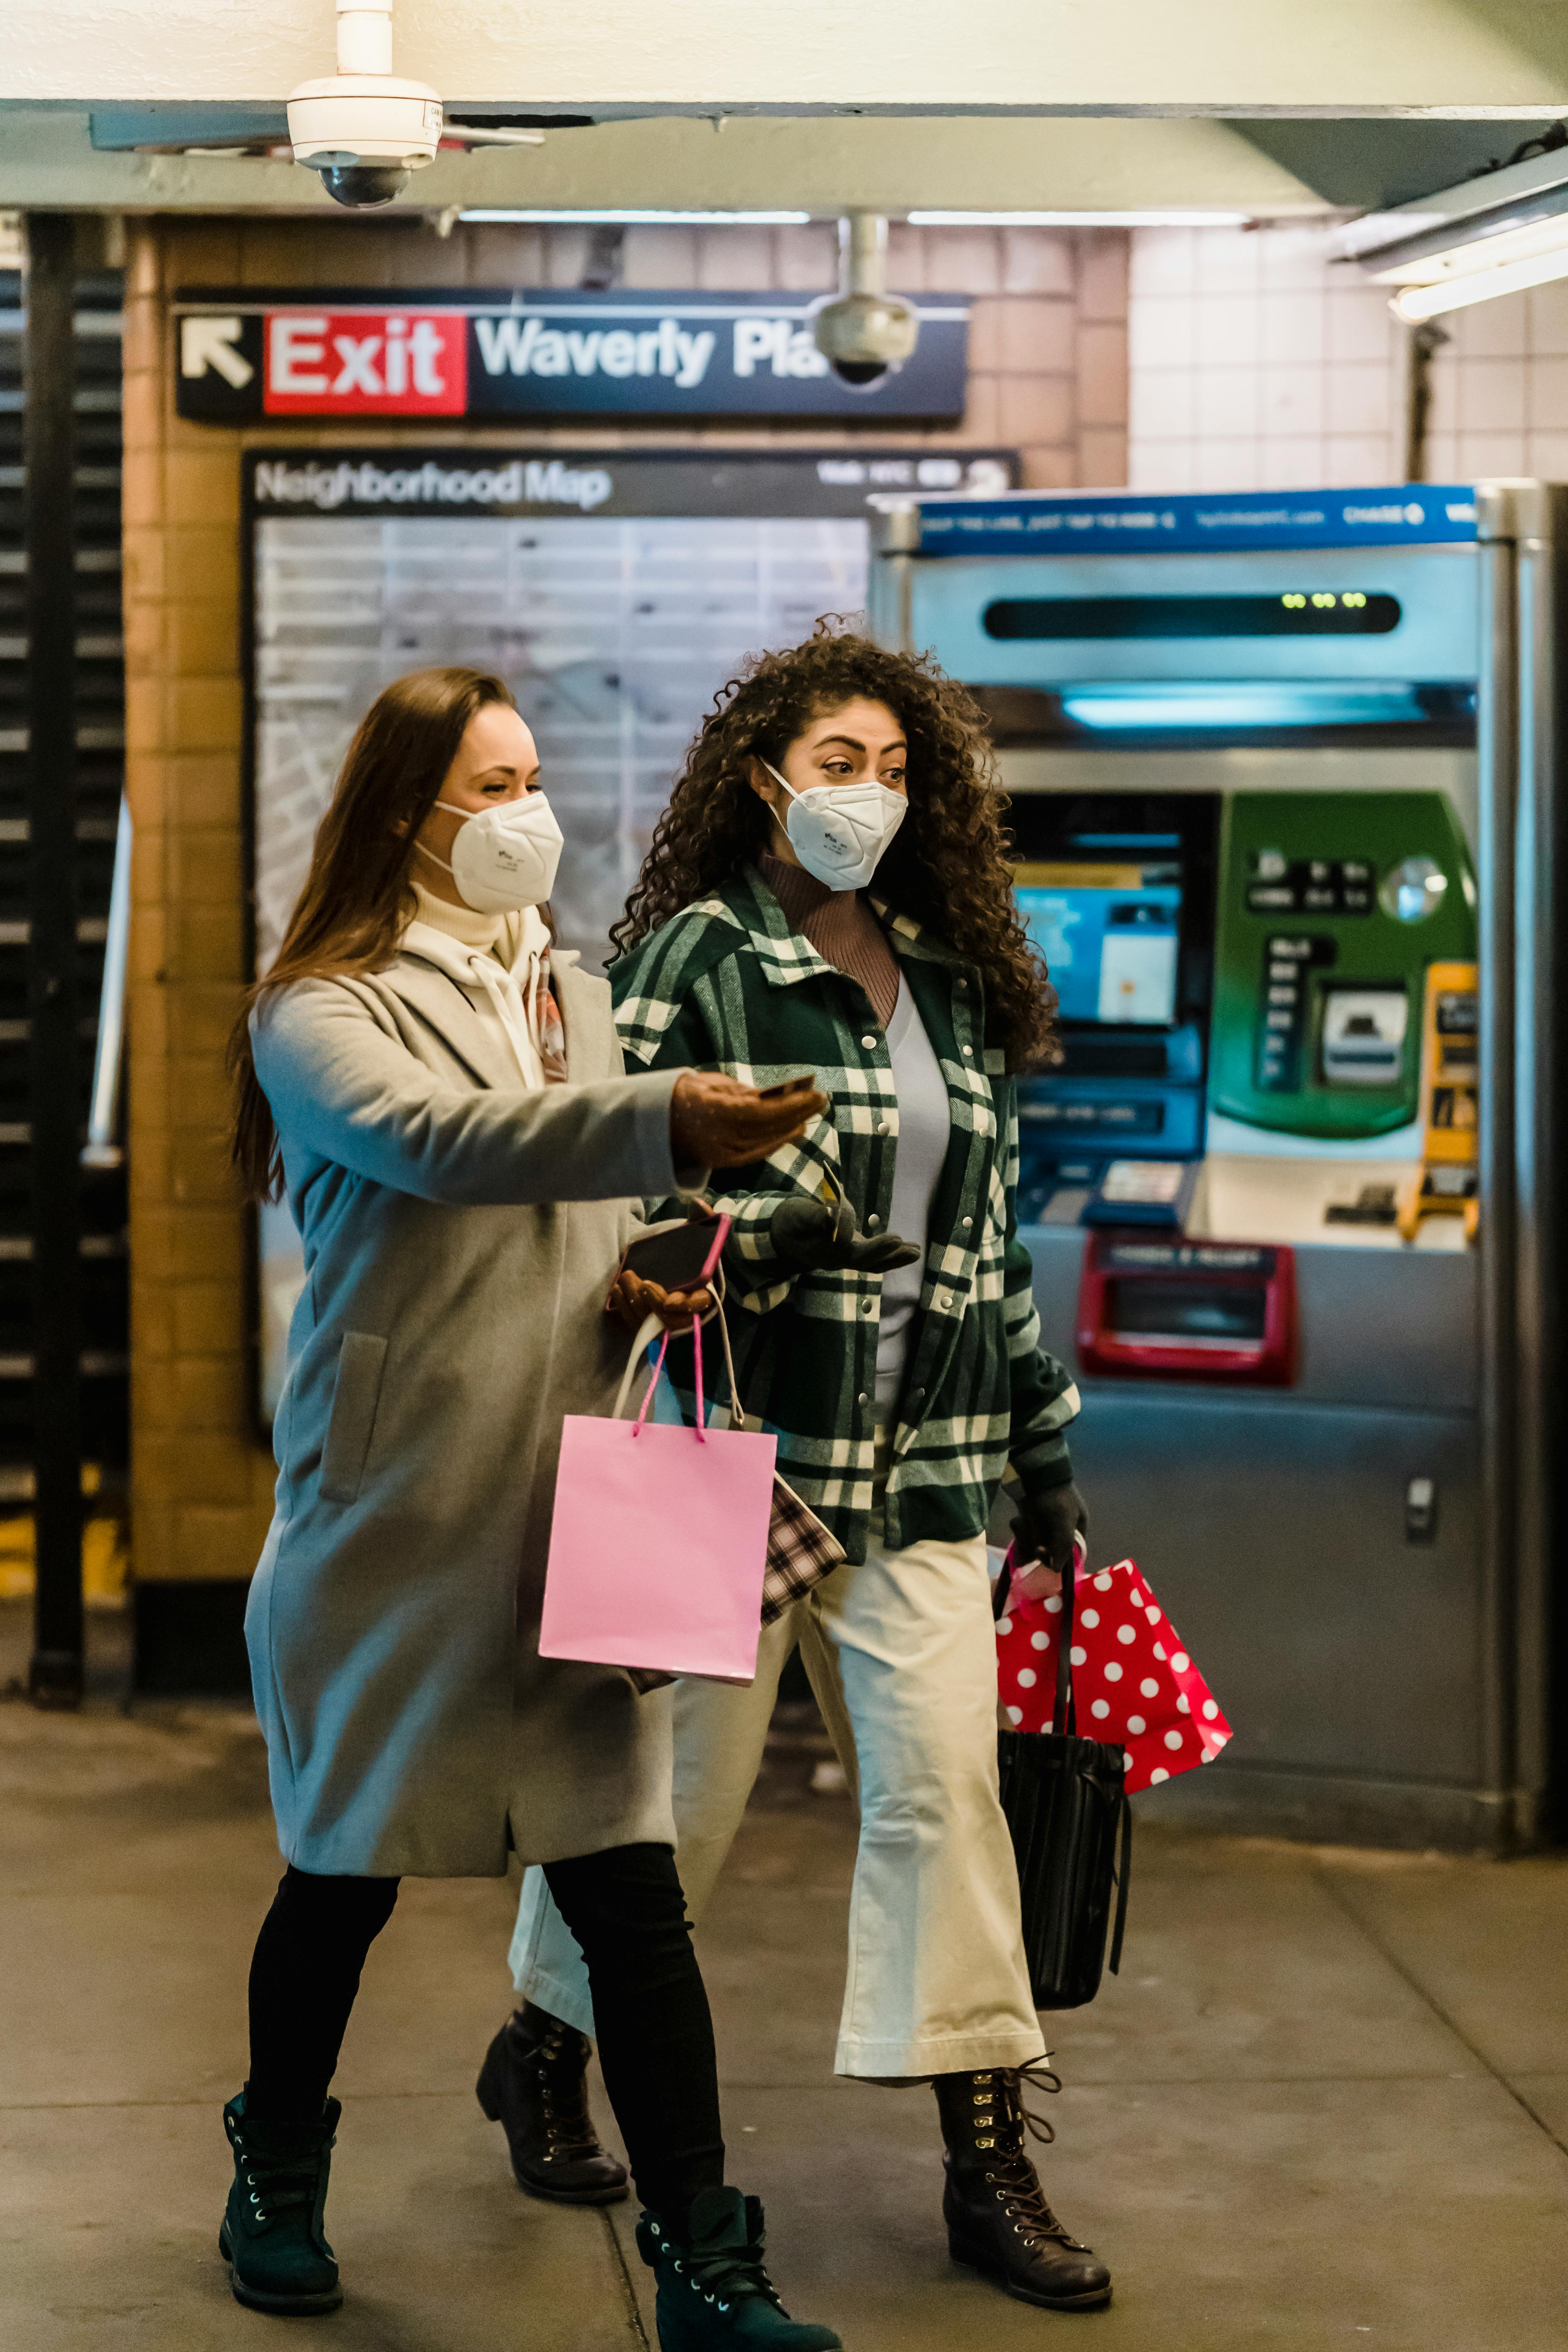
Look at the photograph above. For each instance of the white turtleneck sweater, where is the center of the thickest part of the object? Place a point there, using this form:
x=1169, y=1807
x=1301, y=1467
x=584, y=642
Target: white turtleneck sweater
x=502, y=963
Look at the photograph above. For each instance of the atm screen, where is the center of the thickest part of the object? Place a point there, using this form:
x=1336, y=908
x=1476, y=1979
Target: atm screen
x=1109, y=933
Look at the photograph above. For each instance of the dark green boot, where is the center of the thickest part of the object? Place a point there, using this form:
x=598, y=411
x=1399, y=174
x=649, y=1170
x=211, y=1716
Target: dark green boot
x=272, y=2237
x=713, y=2294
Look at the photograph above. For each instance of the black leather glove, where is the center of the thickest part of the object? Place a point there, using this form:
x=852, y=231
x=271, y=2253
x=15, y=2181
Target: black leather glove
x=816, y=1236
x=1045, y=1526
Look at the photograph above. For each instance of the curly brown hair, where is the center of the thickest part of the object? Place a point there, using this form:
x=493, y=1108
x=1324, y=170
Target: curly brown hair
x=948, y=864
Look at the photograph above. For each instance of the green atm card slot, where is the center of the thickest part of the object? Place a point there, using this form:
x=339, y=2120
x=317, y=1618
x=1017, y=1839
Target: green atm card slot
x=1331, y=906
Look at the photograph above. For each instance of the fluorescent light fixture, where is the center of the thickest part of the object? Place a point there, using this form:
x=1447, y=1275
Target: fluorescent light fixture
x=630, y=218
x=1079, y=220
x=1414, y=303
x=1497, y=234
x=1290, y=702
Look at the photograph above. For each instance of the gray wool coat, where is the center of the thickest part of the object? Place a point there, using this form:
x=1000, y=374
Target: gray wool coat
x=460, y=1233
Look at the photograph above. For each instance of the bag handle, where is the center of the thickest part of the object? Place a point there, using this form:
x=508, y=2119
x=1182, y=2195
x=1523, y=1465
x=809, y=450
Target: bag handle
x=650, y=1330
x=1063, y=1713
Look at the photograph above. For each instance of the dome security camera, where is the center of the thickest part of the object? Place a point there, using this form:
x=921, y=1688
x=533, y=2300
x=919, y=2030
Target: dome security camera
x=364, y=129
x=863, y=330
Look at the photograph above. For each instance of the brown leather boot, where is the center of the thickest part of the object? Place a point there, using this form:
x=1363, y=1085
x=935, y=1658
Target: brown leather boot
x=995, y=2211
x=534, y=2084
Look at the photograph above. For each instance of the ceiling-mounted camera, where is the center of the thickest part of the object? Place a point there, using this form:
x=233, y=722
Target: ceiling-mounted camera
x=863, y=330
x=364, y=129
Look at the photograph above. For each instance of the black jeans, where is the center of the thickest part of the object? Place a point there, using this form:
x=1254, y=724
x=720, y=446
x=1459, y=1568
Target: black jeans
x=656, y=2037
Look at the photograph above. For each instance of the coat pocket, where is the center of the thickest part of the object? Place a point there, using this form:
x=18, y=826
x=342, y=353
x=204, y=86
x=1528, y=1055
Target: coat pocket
x=361, y=1362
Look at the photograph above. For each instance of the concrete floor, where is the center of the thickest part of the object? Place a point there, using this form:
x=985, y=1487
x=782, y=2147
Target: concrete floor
x=1327, y=2098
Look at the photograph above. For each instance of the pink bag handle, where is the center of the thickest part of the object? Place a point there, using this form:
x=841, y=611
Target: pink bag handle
x=735, y=1413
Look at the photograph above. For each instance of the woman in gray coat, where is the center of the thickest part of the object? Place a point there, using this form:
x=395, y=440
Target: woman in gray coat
x=442, y=1100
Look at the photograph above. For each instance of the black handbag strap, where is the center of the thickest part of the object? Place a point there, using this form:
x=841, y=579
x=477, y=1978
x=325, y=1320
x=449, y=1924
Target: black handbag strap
x=1123, y=1879
x=1064, y=1714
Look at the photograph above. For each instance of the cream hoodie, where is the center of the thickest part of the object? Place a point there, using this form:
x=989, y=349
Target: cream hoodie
x=502, y=962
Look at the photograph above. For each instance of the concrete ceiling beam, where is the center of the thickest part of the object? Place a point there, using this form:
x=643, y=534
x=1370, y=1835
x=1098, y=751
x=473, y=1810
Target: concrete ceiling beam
x=816, y=165
x=1400, y=58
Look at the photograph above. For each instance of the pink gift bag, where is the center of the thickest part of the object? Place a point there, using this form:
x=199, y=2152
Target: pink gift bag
x=659, y=1540
x=1131, y=1678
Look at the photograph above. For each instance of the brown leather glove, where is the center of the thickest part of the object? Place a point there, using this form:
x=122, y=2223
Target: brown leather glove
x=716, y=1122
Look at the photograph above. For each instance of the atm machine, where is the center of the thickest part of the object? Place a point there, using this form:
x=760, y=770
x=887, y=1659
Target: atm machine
x=1283, y=776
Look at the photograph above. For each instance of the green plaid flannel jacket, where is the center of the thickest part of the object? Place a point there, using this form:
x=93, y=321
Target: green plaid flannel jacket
x=728, y=985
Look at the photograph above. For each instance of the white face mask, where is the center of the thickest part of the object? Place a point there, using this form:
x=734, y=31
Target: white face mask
x=503, y=858
x=839, y=832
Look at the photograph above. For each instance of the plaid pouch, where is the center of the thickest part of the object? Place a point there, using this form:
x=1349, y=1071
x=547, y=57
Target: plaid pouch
x=801, y=1552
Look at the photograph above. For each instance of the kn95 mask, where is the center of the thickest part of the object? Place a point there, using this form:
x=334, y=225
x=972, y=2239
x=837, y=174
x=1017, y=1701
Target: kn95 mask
x=504, y=857
x=839, y=832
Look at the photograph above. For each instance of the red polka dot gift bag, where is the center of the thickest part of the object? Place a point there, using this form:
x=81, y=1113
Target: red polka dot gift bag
x=1132, y=1680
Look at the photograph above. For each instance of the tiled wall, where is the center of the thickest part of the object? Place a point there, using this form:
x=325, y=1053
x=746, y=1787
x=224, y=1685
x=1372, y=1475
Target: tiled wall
x=1050, y=376
x=1256, y=363
x=1253, y=366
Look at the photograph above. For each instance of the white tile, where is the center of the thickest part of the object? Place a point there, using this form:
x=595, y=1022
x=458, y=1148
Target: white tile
x=1352, y=459
x=1548, y=456
x=1547, y=306
x=1360, y=397
x=1546, y=395
x=1227, y=402
x=1228, y=260
x=1443, y=415
x=1294, y=258
x=1292, y=462
x=1482, y=454
x=1163, y=407
x=1490, y=329
x=1226, y=465
x=1161, y=261
x=1360, y=327
x=1443, y=457
x=1160, y=466
x=1161, y=332
x=1291, y=400
x=1227, y=329
x=1293, y=326
x=1491, y=396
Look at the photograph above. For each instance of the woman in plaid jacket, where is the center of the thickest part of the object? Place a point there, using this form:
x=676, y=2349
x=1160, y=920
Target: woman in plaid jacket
x=902, y=1377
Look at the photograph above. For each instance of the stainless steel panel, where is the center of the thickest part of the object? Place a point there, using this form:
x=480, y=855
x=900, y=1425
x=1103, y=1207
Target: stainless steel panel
x=1393, y=1327
x=1434, y=639
x=1273, y=1532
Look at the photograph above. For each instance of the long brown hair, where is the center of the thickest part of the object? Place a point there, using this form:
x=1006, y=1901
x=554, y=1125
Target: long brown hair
x=948, y=863
x=358, y=893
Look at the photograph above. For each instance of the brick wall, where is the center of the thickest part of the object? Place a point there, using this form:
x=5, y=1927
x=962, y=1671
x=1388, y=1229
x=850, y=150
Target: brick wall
x=1050, y=376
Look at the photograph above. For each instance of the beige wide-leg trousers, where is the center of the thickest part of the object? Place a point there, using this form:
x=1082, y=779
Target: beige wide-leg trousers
x=902, y=1659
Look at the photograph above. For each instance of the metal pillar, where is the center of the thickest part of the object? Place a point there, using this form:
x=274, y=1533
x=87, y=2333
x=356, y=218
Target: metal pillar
x=54, y=1677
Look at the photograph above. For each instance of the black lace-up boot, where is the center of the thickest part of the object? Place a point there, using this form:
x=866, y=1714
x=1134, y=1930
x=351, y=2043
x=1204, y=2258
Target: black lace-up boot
x=273, y=2236
x=995, y=2211
x=534, y=2083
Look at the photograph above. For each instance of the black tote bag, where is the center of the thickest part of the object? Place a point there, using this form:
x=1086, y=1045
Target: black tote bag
x=1067, y=1809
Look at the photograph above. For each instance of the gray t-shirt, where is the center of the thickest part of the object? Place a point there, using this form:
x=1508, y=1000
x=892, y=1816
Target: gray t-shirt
x=923, y=1126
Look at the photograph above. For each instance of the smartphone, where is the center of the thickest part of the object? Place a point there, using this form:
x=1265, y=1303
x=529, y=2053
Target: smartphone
x=796, y=1080
x=680, y=1257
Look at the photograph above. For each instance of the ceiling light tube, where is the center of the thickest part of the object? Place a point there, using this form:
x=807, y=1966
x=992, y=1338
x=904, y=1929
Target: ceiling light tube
x=1415, y=303
x=631, y=217
x=1155, y=219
